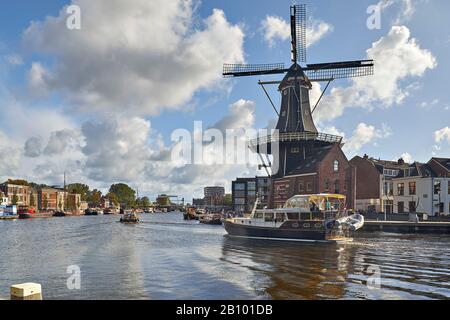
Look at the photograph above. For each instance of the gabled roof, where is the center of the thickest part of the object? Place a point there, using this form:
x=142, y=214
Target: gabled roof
x=444, y=162
x=308, y=165
x=417, y=170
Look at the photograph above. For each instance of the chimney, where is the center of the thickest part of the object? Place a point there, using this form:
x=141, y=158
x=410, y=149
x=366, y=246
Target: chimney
x=366, y=157
x=401, y=161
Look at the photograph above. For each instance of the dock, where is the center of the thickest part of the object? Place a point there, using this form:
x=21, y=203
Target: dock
x=407, y=227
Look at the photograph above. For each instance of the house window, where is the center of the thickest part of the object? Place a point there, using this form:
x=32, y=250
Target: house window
x=412, y=188
x=401, y=207
x=401, y=189
x=412, y=206
x=336, y=186
x=309, y=186
x=295, y=150
x=301, y=187
x=336, y=166
x=327, y=185
x=437, y=187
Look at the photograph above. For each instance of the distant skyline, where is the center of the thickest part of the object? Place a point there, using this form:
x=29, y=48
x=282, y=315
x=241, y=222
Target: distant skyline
x=102, y=102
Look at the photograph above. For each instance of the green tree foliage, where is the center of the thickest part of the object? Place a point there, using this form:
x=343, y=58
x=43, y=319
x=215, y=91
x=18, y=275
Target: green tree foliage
x=113, y=198
x=79, y=188
x=94, y=197
x=143, y=202
x=32, y=200
x=19, y=182
x=15, y=199
x=45, y=202
x=228, y=200
x=70, y=203
x=124, y=194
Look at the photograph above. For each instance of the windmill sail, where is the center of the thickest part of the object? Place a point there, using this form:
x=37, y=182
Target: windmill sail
x=242, y=70
x=339, y=70
x=298, y=33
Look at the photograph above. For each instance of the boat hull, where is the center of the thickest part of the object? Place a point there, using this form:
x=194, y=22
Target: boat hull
x=286, y=233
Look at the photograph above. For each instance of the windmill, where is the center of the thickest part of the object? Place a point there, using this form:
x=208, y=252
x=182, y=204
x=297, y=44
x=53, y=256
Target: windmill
x=296, y=135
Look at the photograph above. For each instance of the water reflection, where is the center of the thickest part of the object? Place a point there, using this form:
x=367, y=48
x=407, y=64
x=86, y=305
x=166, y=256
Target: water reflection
x=292, y=270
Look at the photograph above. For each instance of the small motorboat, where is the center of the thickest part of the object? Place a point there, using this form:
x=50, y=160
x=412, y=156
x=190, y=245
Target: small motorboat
x=25, y=216
x=89, y=212
x=213, y=219
x=59, y=214
x=130, y=217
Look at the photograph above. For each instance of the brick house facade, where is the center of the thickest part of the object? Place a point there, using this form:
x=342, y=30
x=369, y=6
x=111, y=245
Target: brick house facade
x=326, y=170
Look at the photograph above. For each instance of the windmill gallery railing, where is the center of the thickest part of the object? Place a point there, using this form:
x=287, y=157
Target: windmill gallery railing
x=294, y=137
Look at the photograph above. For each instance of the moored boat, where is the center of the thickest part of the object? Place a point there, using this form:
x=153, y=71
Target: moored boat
x=90, y=212
x=59, y=214
x=315, y=218
x=214, y=219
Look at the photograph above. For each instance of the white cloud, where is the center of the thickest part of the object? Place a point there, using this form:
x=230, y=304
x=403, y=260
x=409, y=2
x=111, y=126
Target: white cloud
x=407, y=157
x=142, y=57
x=10, y=159
x=397, y=57
x=62, y=141
x=241, y=116
x=116, y=148
x=14, y=59
x=277, y=29
x=33, y=147
x=442, y=135
x=364, y=134
x=405, y=12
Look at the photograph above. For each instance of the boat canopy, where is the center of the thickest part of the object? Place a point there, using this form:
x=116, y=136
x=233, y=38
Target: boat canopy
x=323, y=201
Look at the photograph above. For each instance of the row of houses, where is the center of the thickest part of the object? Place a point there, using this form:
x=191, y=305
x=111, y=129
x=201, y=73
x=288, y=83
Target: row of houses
x=41, y=198
x=370, y=185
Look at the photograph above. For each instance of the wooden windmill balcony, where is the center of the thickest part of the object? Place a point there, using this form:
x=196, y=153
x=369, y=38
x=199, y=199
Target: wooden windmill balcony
x=287, y=137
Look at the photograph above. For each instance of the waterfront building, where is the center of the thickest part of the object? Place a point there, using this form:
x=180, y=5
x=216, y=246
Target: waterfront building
x=423, y=188
x=52, y=199
x=325, y=169
x=16, y=194
x=3, y=199
x=214, y=196
x=198, y=202
x=244, y=190
x=374, y=183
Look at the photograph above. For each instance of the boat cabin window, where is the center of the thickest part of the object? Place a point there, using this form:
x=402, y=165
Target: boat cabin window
x=259, y=215
x=268, y=216
x=293, y=216
x=280, y=217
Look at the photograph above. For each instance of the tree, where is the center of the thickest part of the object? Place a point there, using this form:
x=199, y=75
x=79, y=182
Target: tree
x=70, y=204
x=145, y=202
x=80, y=188
x=19, y=182
x=15, y=198
x=94, y=197
x=44, y=202
x=124, y=194
x=228, y=200
x=113, y=198
x=32, y=202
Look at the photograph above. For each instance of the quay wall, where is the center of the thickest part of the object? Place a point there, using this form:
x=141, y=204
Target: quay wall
x=408, y=227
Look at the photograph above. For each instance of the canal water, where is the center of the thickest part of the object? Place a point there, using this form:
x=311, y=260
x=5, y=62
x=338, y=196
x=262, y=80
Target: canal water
x=168, y=258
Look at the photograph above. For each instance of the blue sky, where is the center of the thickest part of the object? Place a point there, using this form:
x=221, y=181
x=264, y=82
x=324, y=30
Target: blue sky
x=394, y=129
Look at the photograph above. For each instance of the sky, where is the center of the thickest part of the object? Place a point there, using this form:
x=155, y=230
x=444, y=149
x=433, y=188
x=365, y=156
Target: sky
x=102, y=102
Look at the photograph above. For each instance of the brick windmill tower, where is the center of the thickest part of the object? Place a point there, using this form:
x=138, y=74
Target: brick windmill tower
x=296, y=147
